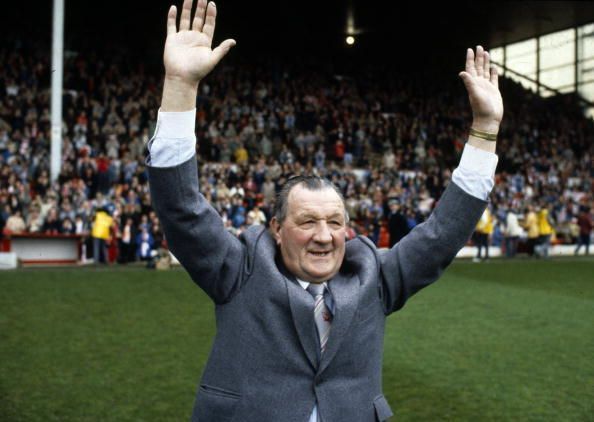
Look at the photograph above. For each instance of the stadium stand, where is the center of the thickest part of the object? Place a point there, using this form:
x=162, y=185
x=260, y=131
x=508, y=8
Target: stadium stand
x=382, y=139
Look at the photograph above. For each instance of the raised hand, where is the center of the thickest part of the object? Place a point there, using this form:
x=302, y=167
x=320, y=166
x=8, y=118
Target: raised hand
x=483, y=91
x=188, y=55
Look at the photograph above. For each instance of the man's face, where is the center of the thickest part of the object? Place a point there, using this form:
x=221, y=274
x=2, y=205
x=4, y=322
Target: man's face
x=312, y=237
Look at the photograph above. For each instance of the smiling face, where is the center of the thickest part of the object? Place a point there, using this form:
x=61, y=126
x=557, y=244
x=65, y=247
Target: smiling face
x=312, y=236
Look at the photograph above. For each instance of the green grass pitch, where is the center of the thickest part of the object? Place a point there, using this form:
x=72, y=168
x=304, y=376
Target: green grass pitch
x=497, y=341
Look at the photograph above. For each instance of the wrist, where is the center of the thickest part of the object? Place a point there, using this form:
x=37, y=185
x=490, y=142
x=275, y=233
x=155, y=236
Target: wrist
x=487, y=136
x=178, y=94
x=181, y=82
x=486, y=126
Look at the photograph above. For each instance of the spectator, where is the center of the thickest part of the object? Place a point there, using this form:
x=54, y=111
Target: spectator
x=545, y=232
x=127, y=241
x=513, y=231
x=483, y=232
x=145, y=244
x=531, y=226
x=67, y=226
x=100, y=233
x=257, y=216
x=52, y=224
x=15, y=223
x=397, y=224
x=585, y=224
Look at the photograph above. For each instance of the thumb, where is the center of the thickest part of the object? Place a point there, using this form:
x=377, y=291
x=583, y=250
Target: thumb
x=222, y=49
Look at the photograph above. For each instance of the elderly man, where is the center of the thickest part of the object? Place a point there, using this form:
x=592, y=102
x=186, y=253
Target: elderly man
x=300, y=311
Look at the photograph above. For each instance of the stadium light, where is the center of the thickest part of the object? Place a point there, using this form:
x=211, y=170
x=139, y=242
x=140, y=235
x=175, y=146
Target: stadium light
x=351, y=30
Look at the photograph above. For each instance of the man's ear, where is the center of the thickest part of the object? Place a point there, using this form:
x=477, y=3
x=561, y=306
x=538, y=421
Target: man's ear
x=275, y=228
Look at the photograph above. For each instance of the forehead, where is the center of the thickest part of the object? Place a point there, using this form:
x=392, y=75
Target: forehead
x=320, y=202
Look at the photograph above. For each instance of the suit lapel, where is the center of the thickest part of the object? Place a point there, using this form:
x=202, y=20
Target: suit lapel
x=345, y=293
x=302, y=308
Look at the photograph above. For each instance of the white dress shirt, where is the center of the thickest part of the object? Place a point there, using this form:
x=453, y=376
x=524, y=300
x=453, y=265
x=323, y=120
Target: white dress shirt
x=174, y=143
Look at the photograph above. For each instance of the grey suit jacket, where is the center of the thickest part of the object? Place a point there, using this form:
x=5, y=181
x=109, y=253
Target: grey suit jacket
x=263, y=365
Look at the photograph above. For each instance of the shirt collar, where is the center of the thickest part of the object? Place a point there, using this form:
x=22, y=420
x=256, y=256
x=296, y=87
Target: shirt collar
x=305, y=284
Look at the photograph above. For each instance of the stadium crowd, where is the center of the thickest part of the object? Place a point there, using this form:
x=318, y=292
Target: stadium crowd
x=389, y=142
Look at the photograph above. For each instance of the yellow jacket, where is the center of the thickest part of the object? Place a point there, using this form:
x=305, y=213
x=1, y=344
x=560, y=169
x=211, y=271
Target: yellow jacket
x=485, y=224
x=241, y=156
x=101, y=225
x=531, y=225
x=544, y=227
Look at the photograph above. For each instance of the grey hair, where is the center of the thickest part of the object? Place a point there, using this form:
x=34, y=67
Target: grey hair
x=312, y=183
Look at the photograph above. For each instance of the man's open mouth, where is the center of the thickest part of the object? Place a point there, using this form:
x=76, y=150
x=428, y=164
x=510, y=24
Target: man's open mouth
x=325, y=253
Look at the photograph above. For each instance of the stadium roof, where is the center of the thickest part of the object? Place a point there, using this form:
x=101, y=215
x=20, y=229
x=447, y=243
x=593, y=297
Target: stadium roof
x=384, y=28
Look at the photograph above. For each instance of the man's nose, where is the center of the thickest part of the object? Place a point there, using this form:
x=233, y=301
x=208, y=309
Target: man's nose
x=323, y=233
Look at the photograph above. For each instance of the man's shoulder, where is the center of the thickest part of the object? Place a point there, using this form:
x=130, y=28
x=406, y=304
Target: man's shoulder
x=257, y=234
x=259, y=243
x=360, y=244
x=360, y=253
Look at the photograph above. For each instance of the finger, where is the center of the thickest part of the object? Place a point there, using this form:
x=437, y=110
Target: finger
x=184, y=22
x=470, y=68
x=479, y=61
x=199, y=16
x=209, y=23
x=487, y=65
x=223, y=48
x=171, y=17
x=468, y=80
x=494, y=77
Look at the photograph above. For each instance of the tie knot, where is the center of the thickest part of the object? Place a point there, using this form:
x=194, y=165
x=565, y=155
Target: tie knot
x=316, y=289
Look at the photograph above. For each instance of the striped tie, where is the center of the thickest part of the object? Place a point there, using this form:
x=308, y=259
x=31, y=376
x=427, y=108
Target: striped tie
x=322, y=315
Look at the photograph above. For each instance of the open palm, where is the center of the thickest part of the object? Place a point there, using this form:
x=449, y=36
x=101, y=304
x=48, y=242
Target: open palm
x=481, y=82
x=188, y=55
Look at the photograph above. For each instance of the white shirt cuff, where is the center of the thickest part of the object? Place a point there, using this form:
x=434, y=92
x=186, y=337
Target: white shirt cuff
x=476, y=172
x=174, y=141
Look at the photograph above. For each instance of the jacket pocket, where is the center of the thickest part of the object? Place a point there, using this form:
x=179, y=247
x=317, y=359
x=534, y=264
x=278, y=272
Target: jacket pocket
x=382, y=408
x=215, y=404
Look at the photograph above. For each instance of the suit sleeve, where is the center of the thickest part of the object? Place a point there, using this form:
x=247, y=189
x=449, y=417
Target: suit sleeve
x=421, y=256
x=194, y=231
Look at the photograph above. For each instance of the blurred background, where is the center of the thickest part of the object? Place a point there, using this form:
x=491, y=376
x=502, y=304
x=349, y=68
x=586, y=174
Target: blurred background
x=364, y=93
